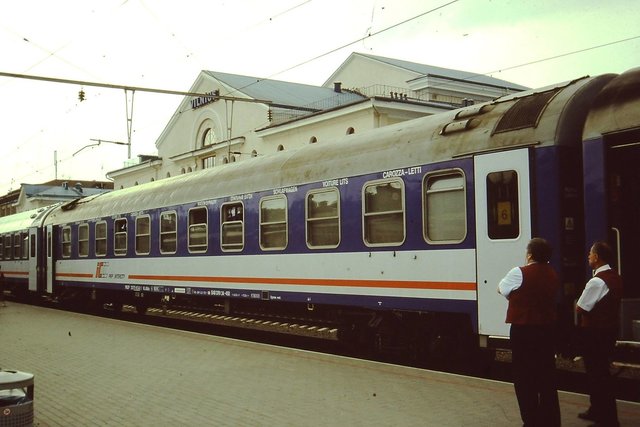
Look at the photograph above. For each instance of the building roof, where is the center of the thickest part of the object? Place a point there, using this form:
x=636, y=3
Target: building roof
x=430, y=70
x=287, y=94
x=59, y=192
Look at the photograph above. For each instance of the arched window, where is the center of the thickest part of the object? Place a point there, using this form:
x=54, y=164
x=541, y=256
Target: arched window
x=189, y=169
x=254, y=153
x=351, y=131
x=313, y=140
x=280, y=147
x=182, y=171
x=208, y=138
x=153, y=179
x=225, y=161
x=168, y=174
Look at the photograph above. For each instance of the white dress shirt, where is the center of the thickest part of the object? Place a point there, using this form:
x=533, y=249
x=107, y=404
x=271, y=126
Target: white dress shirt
x=594, y=290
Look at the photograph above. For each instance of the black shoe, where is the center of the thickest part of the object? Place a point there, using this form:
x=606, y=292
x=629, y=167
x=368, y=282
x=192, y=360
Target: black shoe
x=586, y=416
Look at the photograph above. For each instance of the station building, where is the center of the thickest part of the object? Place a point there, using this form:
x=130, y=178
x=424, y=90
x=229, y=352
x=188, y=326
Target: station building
x=33, y=196
x=241, y=116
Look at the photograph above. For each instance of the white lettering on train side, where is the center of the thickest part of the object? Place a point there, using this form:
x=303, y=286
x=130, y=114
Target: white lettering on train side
x=402, y=172
x=335, y=182
x=285, y=190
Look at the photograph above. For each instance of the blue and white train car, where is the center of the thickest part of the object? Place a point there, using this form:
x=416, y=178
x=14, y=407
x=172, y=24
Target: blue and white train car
x=21, y=254
x=399, y=235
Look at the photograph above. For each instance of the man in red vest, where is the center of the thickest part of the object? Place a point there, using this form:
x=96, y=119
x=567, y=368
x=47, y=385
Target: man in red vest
x=599, y=310
x=532, y=291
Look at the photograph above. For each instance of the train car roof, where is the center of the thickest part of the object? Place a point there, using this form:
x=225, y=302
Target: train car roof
x=616, y=107
x=537, y=121
x=23, y=220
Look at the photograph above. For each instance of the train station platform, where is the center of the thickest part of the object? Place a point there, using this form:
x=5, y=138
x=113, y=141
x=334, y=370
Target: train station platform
x=97, y=371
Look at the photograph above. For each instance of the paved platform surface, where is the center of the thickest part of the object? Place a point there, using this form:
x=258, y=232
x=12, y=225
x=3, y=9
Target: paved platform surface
x=92, y=371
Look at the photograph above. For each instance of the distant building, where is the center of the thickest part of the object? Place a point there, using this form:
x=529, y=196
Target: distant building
x=33, y=196
x=266, y=116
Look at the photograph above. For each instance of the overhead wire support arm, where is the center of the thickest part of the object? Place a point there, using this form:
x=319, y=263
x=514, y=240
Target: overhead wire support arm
x=130, y=88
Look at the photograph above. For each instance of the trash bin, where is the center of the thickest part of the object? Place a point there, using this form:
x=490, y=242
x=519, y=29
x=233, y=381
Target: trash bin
x=16, y=398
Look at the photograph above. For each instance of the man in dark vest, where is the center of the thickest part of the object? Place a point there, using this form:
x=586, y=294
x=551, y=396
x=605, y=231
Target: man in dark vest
x=532, y=291
x=599, y=310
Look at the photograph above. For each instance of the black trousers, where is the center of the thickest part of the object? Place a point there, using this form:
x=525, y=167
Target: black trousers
x=533, y=363
x=599, y=344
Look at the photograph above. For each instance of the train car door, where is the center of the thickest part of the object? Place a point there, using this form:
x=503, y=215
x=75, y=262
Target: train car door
x=33, y=259
x=49, y=263
x=503, y=229
x=612, y=209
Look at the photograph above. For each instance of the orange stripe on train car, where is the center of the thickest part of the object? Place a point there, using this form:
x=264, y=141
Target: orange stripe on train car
x=456, y=286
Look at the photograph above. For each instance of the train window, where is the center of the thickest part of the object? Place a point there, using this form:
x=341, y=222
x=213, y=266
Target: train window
x=168, y=233
x=17, y=246
x=502, y=205
x=273, y=223
x=198, y=229
x=66, y=242
x=444, y=213
x=323, y=218
x=83, y=240
x=143, y=235
x=32, y=246
x=383, y=222
x=120, y=236
x=7, y=246
x=1, y=247
x=24, y=237
x=232, y=227
x=101, y=238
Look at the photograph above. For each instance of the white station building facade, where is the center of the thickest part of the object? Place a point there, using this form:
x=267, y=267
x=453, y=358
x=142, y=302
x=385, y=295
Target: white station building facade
x=243, y=116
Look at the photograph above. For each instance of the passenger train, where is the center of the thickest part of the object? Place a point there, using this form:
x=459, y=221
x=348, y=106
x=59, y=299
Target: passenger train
x=398, y=236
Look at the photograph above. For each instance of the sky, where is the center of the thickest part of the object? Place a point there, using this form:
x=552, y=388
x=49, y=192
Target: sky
x=46, y=132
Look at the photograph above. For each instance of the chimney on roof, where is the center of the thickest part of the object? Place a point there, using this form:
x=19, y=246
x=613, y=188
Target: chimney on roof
x=337, y=87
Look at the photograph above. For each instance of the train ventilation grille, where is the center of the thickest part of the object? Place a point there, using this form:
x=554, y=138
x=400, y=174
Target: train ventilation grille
x=525, y=113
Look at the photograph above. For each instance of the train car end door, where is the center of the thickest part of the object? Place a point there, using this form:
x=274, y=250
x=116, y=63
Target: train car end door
x=33, y=259
x=503, y=229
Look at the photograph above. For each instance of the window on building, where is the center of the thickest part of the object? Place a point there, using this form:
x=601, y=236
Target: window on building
x=101, y=238
x=168, y=232
x=313, y=140
x=323, y=218
x=502, y=205
x=280, y=147
x=198, y=229
x=66, y=242
x=120, y=236
x=351, y=131
x=83, y=240
x=444, y=210
x=143, y=235
x=383, y=213
x=273, y=222
x=208, y=138
x=232, y=227
x=208, y=162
